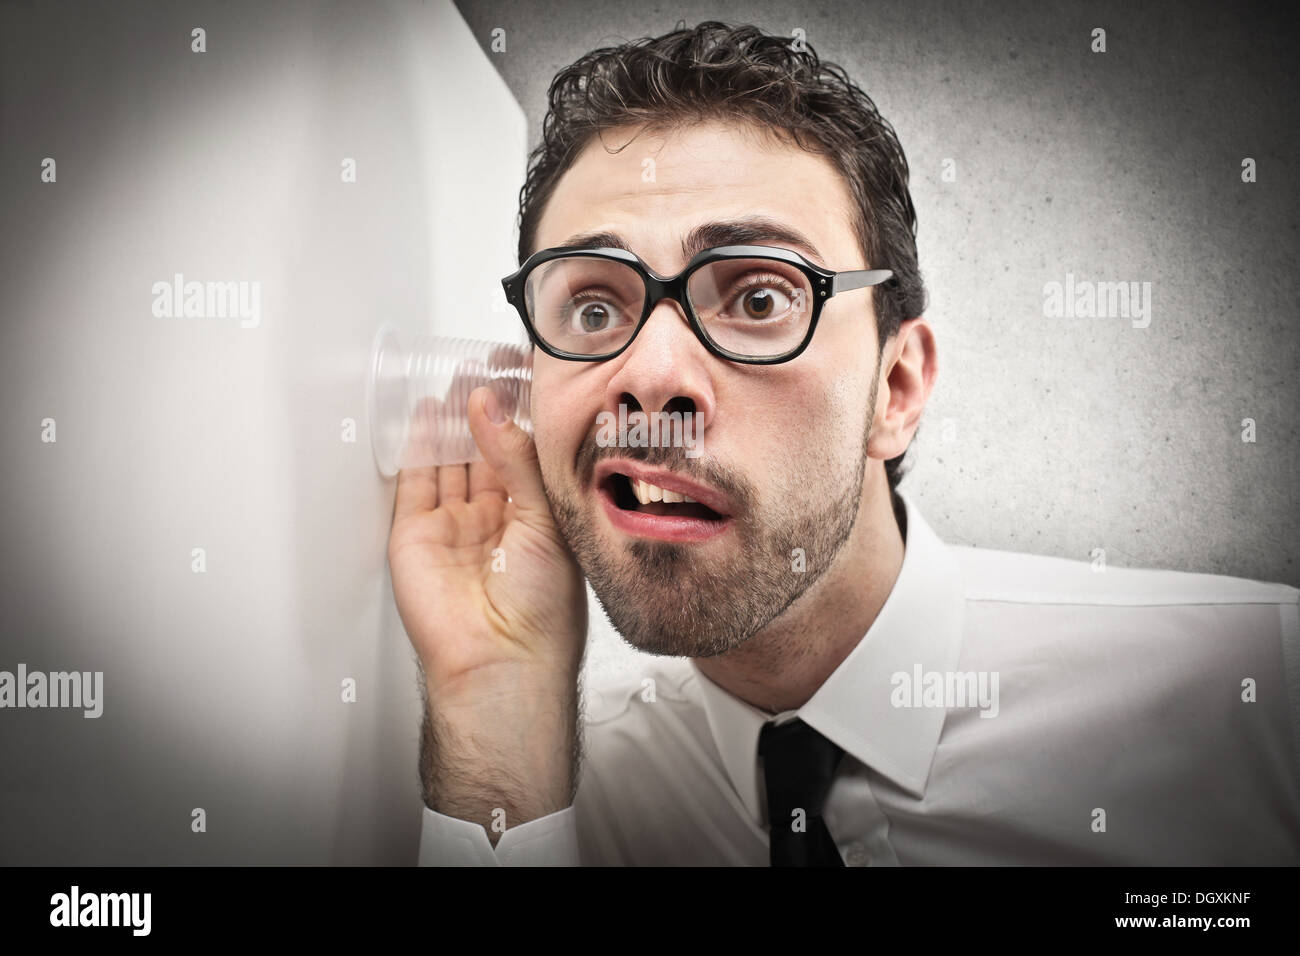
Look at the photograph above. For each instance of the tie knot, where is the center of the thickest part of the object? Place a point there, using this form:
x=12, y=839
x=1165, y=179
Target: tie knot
x=799, y=764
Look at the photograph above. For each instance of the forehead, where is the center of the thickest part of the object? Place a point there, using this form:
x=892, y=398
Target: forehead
x=662, y=192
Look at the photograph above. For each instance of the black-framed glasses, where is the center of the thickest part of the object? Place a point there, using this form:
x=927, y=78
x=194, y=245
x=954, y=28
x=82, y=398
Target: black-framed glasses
x=753, y=304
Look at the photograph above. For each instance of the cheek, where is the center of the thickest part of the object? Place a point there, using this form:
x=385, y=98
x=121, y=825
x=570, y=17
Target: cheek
x=814, y=416
x=801, y=441
x=560, y=419
x=550, y=431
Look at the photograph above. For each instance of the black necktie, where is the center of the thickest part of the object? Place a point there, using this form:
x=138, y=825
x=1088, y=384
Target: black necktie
x=798, y=763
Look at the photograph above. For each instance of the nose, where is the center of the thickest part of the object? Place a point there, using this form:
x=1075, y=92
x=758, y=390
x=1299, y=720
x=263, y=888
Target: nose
x=666, y=369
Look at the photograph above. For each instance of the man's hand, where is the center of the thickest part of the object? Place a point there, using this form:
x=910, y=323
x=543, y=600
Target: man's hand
x=496, y=609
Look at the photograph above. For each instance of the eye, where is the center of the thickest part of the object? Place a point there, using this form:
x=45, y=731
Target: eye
x=762, y=297
x=762, y=303
x=593, y=312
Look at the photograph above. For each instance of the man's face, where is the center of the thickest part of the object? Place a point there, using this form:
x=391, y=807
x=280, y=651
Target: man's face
x=782, y=446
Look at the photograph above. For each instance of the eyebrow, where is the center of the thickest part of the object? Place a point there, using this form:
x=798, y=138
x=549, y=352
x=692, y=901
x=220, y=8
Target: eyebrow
x=750, y=230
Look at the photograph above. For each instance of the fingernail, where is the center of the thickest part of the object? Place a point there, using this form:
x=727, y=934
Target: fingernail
x=493, y=408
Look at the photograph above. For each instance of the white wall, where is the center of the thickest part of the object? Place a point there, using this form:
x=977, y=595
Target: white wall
x=222, y=688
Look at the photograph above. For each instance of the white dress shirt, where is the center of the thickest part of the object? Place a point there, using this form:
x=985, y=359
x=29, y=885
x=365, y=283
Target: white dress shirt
x=1140, y=718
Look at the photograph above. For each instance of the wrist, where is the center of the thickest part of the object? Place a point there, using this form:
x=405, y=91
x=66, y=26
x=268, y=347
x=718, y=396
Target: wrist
x=500, y=751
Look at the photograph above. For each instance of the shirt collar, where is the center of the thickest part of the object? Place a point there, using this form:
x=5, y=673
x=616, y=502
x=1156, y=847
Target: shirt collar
x=919, y=626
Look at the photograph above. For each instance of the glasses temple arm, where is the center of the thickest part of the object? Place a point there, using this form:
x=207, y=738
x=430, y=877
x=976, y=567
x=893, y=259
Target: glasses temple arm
x=848, y=281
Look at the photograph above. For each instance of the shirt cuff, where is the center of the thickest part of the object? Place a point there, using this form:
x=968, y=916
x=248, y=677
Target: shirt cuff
x=551, y=840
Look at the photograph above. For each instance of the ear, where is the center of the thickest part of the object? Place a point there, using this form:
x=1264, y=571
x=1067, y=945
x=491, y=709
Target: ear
x=908, y=366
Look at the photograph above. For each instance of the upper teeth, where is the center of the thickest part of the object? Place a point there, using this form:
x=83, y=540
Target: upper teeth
x=646, y=493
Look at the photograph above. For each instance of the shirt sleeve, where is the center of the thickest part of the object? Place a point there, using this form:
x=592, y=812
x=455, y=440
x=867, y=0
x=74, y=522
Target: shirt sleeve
x=551, y=840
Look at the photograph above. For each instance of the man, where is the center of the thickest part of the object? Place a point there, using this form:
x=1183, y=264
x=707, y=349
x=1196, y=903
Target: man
x=836, y=686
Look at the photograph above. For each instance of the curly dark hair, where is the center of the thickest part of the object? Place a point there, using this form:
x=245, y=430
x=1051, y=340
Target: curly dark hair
x=715, y=71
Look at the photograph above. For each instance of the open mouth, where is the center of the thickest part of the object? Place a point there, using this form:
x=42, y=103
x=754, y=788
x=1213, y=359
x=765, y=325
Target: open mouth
x=630, y=495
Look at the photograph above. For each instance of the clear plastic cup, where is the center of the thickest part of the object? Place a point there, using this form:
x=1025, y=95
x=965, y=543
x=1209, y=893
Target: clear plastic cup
x=418, y=396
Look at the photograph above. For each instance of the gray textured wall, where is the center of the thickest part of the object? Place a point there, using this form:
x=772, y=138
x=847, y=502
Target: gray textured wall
x=1061, y=435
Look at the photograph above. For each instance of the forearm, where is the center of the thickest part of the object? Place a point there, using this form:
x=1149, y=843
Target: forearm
x=498, y=750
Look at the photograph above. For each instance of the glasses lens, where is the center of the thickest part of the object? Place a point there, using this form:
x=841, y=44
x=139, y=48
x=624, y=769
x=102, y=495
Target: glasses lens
x=759, y=308
x=583, y=304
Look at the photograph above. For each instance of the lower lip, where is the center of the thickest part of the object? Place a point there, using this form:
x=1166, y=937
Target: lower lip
x=661, y=527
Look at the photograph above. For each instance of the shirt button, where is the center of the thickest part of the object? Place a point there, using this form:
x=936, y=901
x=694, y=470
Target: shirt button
x=856, y=855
